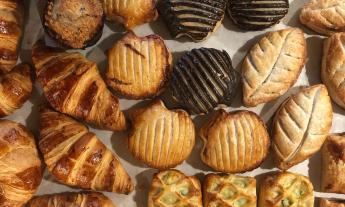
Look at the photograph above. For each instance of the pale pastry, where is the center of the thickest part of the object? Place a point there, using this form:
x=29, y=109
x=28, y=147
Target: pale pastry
x=331, y=203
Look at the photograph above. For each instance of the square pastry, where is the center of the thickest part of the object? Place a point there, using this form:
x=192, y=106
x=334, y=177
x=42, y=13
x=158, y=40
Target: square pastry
x=331, y=203
x=226, y=190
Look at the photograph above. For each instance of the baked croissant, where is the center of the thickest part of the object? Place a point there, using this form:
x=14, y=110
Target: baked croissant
x=11, y=18
x=73, y=85
x=76, y=157
x=20, y=165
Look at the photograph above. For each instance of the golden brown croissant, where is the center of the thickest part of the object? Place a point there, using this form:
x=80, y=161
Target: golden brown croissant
x=76, y=157
x=20, y=166
x=73, y=85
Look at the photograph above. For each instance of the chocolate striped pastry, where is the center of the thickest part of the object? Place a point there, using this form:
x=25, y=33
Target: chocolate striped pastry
x=203, y=79
x=196, y=19
x=257, y=14
x=138, y=67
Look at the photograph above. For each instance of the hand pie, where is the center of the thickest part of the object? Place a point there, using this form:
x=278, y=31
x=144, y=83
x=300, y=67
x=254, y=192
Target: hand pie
x=257, y=15
x=234, y=142
x=273, y=65
x=301, y=125
x=161, y=138
x=196, y=19
x=130, y=13
x=20, y=165
x=72, y=85
x=204, y=79
x=324, y=16
x=138, y=67
x=333, y=158
x=76, y=157
x=286, y=189
x=227, y=190
x=74, y=23
x=331, y=203
x=172, y=188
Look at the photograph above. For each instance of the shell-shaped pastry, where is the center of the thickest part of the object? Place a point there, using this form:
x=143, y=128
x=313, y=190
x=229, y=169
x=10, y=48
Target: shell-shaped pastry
x=331, y=203
x=138, y=67
x=324, y=16
x=301, y=125
x=130, y=12
x=204, y=79
x=273, y=65
x=285, y=189
x=158, y=134
x=228, y=190
x=257, y=15
x=172, y=188
x=234, y=142
x=196, y=19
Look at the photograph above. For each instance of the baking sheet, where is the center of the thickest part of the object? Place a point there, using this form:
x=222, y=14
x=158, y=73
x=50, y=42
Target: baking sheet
x=236, y=42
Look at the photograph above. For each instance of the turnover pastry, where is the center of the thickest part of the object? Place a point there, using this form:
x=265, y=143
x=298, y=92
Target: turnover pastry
x=172, y=188
x=72, y=85
x=273, y=65
x=234, y=142
x=196, y=19
x=228, y=190
x=76, y=157
x=130, y=13
x=138, y=67
x=324, y=16
x=74, y=23
x=204, y=79
x=257, y=15
x=301, y=126
x=286, y=189
x=161, y=138
x=331, y=203
x=20, y=165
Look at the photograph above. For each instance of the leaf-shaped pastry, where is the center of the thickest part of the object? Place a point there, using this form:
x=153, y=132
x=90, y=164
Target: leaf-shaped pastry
x=273, y=65
x=324, y=16
x=301, y=125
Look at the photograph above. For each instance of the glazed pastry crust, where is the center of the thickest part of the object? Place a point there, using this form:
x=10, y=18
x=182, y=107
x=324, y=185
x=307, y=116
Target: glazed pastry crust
x=331, y=203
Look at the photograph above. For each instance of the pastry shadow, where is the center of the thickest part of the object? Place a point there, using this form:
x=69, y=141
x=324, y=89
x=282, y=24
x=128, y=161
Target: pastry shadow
x=143, y=187
x=314, y=57
x=268, y=163
x=159, y=28
x=230, y=25
x=314, y=171
x=292, y=18
x=114, y=26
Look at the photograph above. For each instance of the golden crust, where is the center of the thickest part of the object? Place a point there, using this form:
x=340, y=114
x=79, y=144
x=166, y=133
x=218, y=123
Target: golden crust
x=234, y=142
x=331, y=203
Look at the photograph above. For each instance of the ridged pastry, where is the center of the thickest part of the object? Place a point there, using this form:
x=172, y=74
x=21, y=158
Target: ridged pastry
x=20, y=165
x=301, y=125
x=234, y=142
x=196, y=19
x=257, y=14
x=331, y=203
x=286, y=189
x=138, y=67
x=158, y=133
x=15, y=89
x=172, y=188
x=11, y=21
x=203, y=79
x=130, y=12
x=333, y=168
x=76, y=157
x=83, y=199
x=226, y=190
x=74, y=23
x=273, y=65
x=72, y=85
x=324, y=16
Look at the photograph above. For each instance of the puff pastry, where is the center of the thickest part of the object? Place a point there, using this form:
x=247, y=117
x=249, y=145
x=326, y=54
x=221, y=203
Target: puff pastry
x=228, y=190
x=301, y=126
x=286, y=189
x=76, y=157
x=273, y=65
x=234, y=142
x=331, y=203
x=157, y=136
x=72, y=85
x=138, y=67
x=20, y=165
x=172, y=188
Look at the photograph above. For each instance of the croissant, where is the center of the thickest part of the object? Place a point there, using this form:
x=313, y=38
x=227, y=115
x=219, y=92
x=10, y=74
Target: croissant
x=73, y=85
x=76, y=157
x=20, y=166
